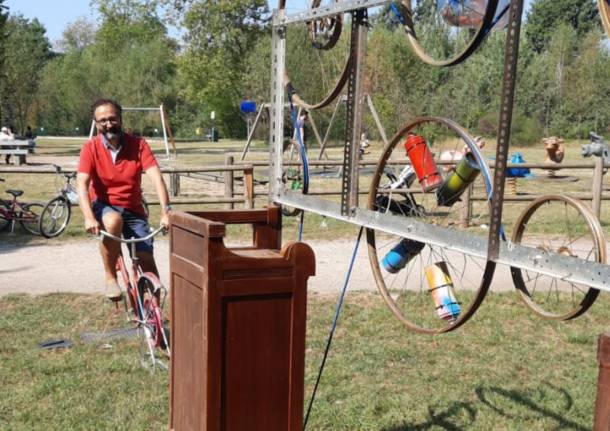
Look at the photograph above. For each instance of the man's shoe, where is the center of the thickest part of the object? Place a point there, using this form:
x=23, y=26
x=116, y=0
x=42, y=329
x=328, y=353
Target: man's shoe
x=112, y=291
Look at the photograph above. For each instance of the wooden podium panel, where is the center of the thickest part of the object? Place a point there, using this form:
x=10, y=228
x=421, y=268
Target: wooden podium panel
x=238, y=324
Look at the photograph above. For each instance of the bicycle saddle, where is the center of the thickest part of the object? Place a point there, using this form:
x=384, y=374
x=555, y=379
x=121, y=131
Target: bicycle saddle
x=15, y=193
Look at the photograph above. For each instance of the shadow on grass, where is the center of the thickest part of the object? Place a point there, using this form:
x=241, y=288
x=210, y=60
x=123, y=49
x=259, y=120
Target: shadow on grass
x=446, y=419
x=508, y=403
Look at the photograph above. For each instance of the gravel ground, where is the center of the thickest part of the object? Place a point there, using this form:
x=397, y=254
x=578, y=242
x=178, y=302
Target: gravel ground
x=75, y=267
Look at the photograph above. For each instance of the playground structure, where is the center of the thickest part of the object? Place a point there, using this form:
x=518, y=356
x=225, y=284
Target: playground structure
x=414, y=203
x=168, y=137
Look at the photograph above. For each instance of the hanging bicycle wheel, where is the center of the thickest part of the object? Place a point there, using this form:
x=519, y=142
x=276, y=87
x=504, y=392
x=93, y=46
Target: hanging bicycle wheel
x=446, y=32
x=562, y=225
x=317, y=55
x=55, y=217
x=29, y=218
x=5, y=210
x=433, y=172
x=604, y=12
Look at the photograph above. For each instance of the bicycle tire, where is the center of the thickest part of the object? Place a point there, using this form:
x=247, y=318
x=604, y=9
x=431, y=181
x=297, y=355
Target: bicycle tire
x=604, y=12
x=6, y=210
x=404, y=11
x=405, y=292
x=336, y=89
x=29, y=218
x=55, y=217
x=149, y=291
x=561, y=300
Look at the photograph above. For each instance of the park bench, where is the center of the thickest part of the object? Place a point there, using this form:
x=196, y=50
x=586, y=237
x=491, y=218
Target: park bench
x=16, y=147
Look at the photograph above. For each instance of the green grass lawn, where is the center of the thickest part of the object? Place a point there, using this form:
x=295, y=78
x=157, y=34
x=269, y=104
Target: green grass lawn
x=506, y=369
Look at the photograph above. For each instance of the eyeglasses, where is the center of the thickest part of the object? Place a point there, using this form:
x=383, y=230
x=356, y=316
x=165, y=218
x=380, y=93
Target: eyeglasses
x=111, y=120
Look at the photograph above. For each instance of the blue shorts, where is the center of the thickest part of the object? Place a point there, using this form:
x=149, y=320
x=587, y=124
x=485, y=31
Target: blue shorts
x=134, y=225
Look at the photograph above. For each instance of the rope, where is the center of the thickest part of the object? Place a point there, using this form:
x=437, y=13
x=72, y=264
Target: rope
x=333, y=327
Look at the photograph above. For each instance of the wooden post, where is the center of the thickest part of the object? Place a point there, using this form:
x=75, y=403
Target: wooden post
x=467, y=209
x=598, y=178
x=238, y=324
x=229, y=192
x=174, y=184
x=601, y=421
x=249, y=187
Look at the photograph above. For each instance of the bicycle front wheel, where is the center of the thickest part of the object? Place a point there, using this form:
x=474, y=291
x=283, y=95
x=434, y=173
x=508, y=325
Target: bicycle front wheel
x=55, y=217
x=5, y=210
x=29, y=218
x=150, y=291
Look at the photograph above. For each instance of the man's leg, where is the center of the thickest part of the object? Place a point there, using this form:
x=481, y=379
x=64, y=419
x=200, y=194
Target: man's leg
x=112, y=223
x=147, y=262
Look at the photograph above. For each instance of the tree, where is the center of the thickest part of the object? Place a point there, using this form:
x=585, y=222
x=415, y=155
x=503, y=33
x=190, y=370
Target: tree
x=546, y=15
x=3, y=19
x=220, y=35
x=78, y=35
x=24, y=62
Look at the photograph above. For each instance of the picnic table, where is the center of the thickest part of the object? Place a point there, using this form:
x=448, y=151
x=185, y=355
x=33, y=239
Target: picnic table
x=18, y=148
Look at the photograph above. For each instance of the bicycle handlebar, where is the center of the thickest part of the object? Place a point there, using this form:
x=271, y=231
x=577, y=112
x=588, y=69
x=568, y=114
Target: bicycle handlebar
x=65, y=174
x=132, y=240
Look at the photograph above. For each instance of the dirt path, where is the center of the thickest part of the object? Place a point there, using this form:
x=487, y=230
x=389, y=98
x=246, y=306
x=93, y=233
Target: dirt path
x=75, y=267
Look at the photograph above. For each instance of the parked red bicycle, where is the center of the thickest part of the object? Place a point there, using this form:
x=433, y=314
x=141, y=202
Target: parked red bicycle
x=146, y=297
x=27, y=214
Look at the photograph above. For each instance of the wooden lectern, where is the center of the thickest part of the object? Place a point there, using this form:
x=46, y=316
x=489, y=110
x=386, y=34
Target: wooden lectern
x=237, y=324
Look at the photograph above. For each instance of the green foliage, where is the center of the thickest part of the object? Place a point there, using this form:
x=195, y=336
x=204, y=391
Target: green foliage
x=546, y=15
x=28, y=52
x=220, y=35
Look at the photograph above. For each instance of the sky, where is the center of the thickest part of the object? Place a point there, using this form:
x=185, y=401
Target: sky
x=55, y=15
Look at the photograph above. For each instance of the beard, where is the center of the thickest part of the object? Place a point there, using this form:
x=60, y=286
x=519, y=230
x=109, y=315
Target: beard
x=113, y=132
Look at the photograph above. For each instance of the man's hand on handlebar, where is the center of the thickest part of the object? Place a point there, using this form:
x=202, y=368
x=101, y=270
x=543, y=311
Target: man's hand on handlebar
x=92, y=226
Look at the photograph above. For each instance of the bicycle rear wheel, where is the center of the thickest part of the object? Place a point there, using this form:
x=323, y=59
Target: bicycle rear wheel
x=55, y=217
x=29, y=218
x=5, y=210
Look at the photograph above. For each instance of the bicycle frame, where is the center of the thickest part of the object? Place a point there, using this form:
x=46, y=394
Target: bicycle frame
x=131, y=280
x=17, y=212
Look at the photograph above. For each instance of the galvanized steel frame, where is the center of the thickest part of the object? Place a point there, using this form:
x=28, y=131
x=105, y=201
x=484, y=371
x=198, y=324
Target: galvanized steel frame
x=566, y=268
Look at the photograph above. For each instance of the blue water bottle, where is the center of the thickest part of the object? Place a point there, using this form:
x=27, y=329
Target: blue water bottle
x=397, y=258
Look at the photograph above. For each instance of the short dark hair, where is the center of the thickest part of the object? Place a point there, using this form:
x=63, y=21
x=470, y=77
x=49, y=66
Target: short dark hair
x=102, y=102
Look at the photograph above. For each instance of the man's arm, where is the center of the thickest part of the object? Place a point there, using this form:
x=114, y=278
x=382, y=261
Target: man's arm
x=154, y=173
x=84, y=202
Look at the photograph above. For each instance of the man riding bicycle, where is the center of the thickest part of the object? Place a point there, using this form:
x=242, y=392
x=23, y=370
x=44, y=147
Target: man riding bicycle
x=109, y=184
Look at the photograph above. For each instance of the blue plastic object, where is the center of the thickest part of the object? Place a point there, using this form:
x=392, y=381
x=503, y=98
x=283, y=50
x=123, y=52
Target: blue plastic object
x=247, y=106
x=397, y=258
x=517, y=172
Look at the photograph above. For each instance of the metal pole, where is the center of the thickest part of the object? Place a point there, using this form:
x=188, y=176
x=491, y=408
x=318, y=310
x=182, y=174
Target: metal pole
x=384, y=138
x=164, y=131
x=355, y=104
x=330, y=124
x=229, y=182
x=511, y=54
x=276, y=135
x=598, y=178
x=251, y=131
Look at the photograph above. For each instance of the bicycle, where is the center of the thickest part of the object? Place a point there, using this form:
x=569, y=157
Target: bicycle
x=56, y=213
x=27, y=214
x=146, y=298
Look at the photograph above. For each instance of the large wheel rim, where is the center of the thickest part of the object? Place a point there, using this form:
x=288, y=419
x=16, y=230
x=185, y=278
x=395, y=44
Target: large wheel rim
x=548, y=297
x=487, y=18
x=411, y=314
x=335, y=89
x=55, y=217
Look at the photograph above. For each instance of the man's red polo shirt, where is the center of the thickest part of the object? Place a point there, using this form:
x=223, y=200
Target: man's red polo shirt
x=120, y=183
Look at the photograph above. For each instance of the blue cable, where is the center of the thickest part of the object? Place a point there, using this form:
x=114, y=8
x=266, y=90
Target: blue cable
x=333, y=327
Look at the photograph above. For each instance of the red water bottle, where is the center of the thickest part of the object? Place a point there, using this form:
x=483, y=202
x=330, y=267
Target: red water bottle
x=423, y=163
